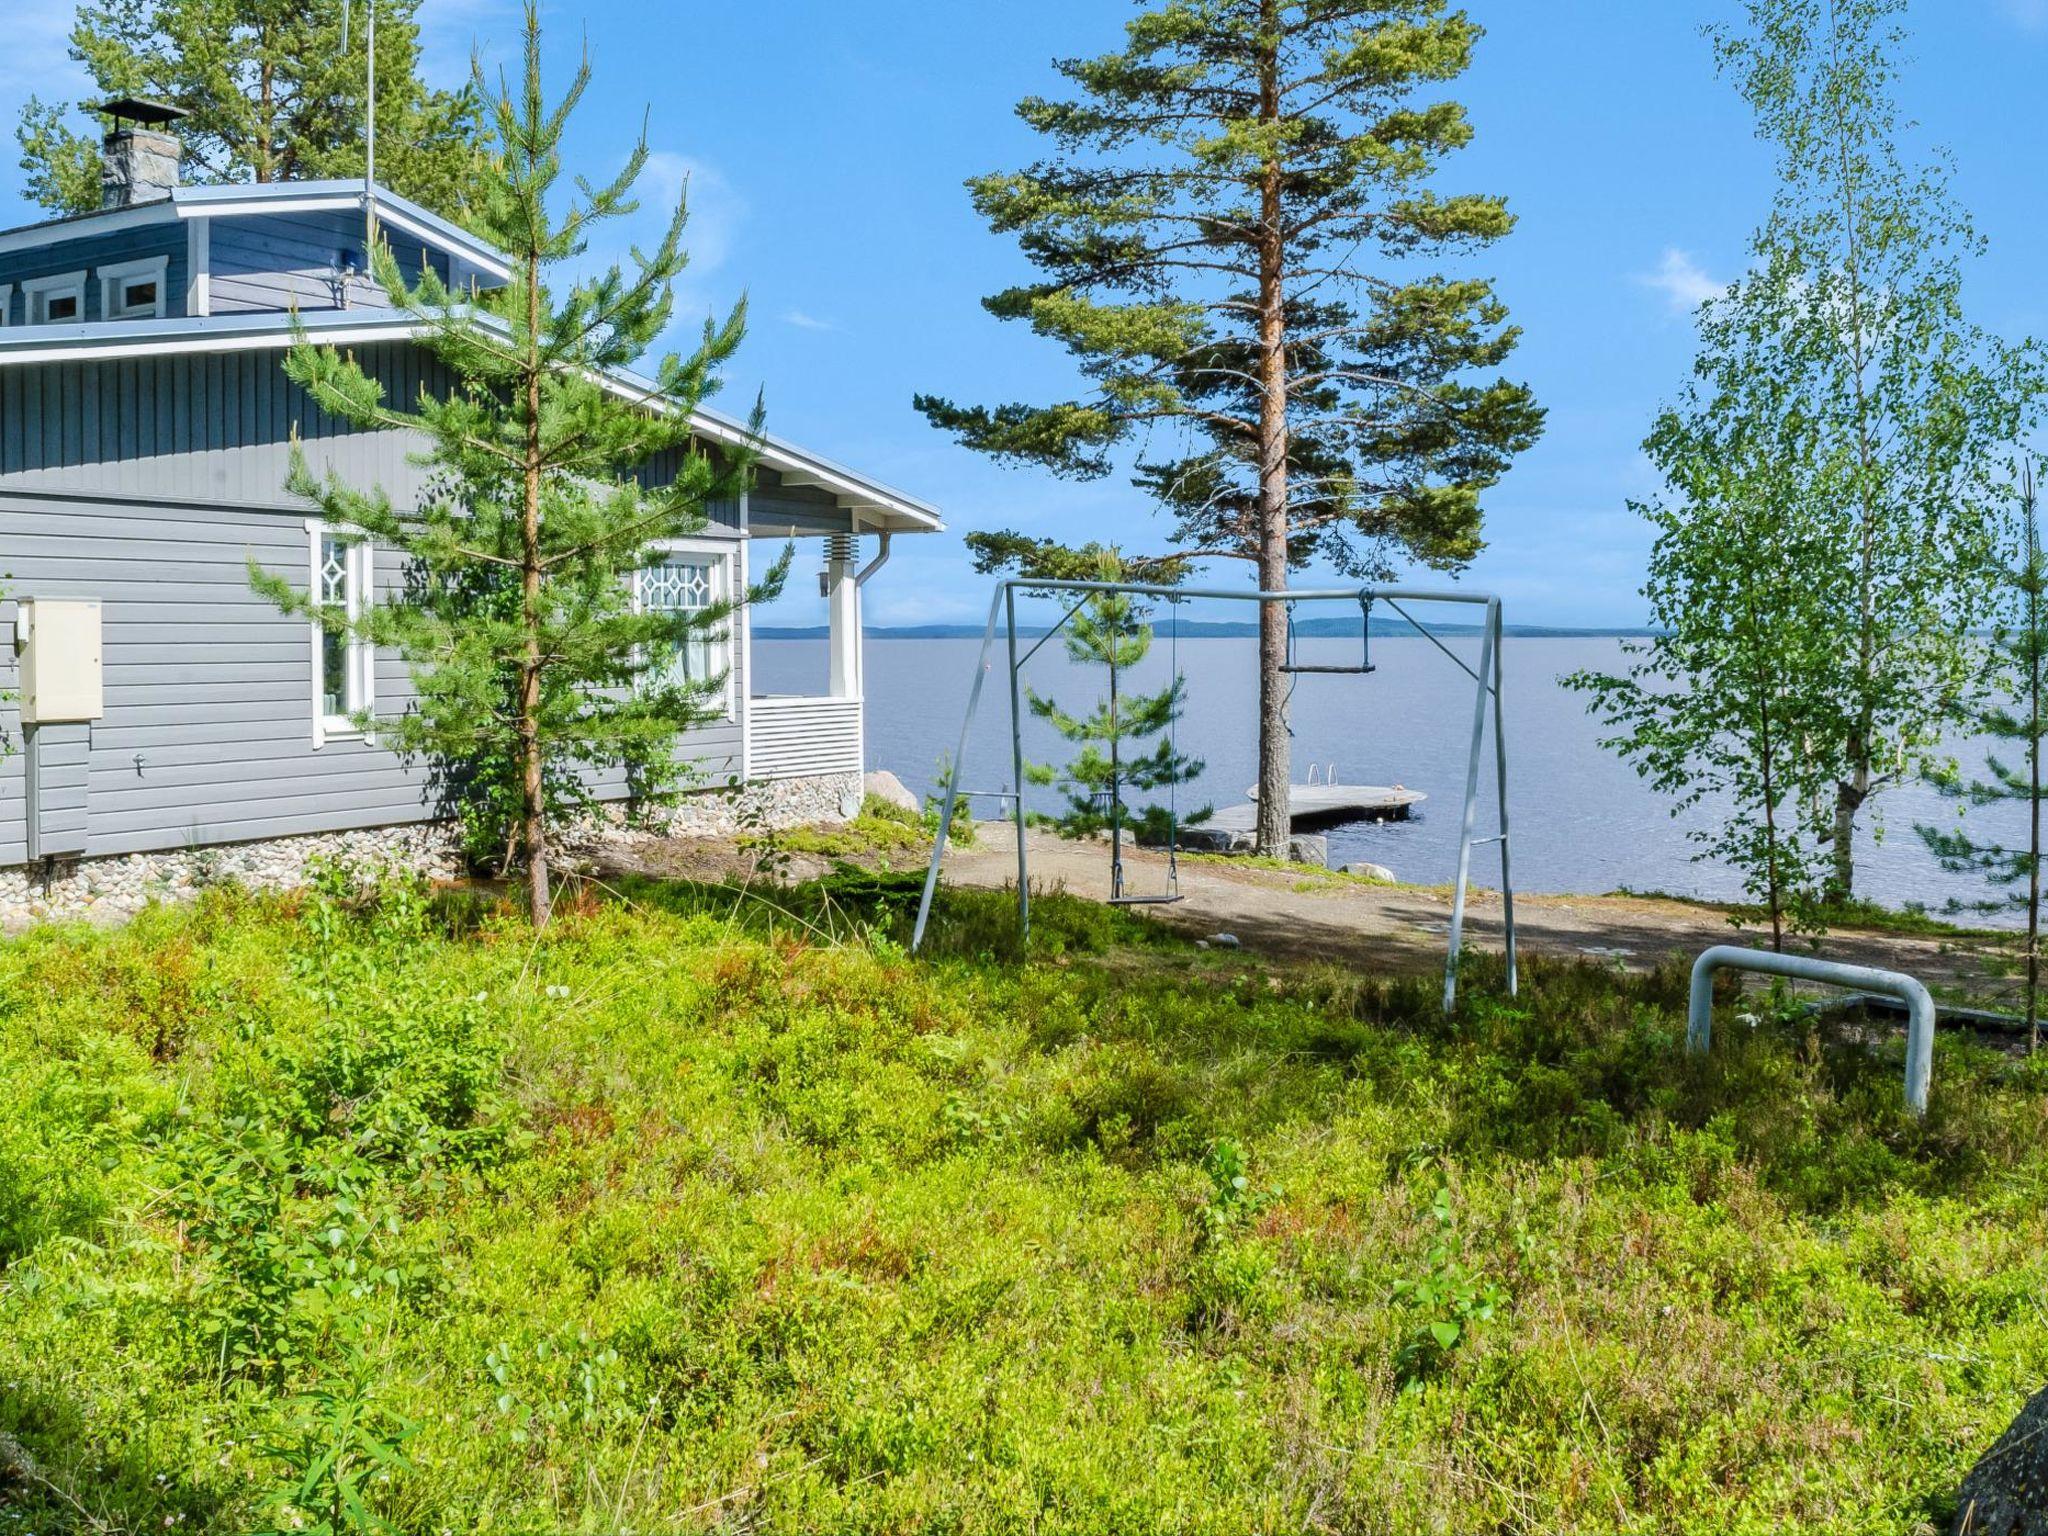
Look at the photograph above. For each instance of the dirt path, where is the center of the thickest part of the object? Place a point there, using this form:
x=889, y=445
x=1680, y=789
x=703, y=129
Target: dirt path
x=1314, y=915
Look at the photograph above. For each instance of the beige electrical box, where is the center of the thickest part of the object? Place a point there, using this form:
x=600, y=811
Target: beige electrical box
x=60, y=659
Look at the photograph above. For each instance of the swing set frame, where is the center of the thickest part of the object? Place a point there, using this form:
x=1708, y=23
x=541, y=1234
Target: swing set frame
x=1002, y=613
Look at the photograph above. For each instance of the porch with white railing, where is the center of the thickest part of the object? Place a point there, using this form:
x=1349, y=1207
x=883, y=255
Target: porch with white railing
x=791, y=736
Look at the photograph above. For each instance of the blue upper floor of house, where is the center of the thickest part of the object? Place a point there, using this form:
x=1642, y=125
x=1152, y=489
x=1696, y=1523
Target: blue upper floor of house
x=228, y=250
x=158, y=250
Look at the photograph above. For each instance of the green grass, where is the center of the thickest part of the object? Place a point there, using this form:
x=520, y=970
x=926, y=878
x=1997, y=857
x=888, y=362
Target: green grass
x=881, y=829
x=1863, y=916
x=1308, y=874
x=702, y=1213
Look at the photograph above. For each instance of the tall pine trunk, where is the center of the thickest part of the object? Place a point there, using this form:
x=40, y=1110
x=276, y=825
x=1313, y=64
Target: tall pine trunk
x=1276, y=767
x=532, y=781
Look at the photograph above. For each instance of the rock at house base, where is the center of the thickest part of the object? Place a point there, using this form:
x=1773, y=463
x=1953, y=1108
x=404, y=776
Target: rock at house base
x=885, y=786
x=2006, y=1493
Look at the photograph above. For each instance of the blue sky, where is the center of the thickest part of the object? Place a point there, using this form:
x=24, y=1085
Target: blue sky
x=825, y=144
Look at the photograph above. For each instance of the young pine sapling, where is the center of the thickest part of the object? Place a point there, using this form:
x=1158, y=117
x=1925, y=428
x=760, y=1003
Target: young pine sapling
x=2015, y=709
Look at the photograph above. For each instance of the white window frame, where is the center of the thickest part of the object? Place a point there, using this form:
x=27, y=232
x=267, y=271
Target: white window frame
x=113, y=279
x=360, y=663
x=725, y=558
x=47, y=288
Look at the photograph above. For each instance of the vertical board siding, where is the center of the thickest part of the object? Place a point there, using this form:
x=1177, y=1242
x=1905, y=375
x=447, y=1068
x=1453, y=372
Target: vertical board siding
x=91, y=253
x=193, y=427
x=218, y=428
x=775, y=510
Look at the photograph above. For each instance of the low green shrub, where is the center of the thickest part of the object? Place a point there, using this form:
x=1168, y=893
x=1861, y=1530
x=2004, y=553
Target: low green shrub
x=369, y=1210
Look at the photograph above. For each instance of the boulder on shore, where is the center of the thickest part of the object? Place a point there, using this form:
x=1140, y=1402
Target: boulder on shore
x=2006, y=1493
x=1379, y=872
x=884, y=785
x=1215, y=840
x=1309, y=848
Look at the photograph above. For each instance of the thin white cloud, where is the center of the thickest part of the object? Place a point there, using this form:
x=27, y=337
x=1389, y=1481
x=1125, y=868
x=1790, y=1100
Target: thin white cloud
x=716, y=213
x=2031, y=14
x=38, y=55
x=715, y=208
x=452, y=32
x=805, y=322
x=1683, y=282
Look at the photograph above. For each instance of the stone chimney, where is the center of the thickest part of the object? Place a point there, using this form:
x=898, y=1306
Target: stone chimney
x=139, y=158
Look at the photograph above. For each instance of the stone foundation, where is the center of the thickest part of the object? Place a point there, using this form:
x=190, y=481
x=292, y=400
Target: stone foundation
x=123, y=885
x=109, y=889
x=775, y=803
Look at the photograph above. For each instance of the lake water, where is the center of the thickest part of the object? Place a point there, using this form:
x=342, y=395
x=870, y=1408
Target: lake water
x=1583, y=821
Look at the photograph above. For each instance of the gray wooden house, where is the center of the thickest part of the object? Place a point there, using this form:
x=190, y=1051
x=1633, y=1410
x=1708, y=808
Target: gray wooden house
x=144, y=428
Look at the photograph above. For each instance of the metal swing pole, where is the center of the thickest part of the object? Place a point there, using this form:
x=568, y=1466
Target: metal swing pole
x=931, y=875
x=1485, y=676
x=1177, y=702
x=1017, y=767
x=1500, y=765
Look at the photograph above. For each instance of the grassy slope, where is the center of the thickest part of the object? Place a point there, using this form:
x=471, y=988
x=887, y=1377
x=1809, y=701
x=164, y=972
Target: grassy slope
x=681, y=1219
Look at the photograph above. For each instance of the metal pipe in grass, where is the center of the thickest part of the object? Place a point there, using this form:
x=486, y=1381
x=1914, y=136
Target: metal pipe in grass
x=1762, y=962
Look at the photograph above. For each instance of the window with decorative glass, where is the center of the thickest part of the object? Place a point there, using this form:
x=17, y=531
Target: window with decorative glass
x=691, y=581
x=345, y=665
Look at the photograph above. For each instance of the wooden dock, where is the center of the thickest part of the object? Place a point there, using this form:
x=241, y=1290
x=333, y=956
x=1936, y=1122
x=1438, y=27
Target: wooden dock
x=1324, y=805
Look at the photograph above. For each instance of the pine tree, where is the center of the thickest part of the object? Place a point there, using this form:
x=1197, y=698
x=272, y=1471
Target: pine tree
x=2015, y=709
x=1892, y=405
x=1112, y=630
x=1234, y=233
x=273, y=96
x=532, y=662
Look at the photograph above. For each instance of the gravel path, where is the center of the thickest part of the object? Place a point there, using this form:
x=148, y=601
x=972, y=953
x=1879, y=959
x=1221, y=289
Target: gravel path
x=1311, y=914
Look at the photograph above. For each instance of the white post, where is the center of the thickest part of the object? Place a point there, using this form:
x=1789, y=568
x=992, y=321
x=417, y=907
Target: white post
x=843, y=599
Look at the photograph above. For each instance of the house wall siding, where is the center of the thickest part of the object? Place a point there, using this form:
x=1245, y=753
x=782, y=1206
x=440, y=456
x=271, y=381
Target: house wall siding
x=775, y=510
x=276, y=261
x=151, y=485
x=215, y=429
x=90, y=255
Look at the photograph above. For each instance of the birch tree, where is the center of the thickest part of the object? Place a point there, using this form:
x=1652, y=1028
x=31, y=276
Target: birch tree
x=1881, y=379
x=1725, y=707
